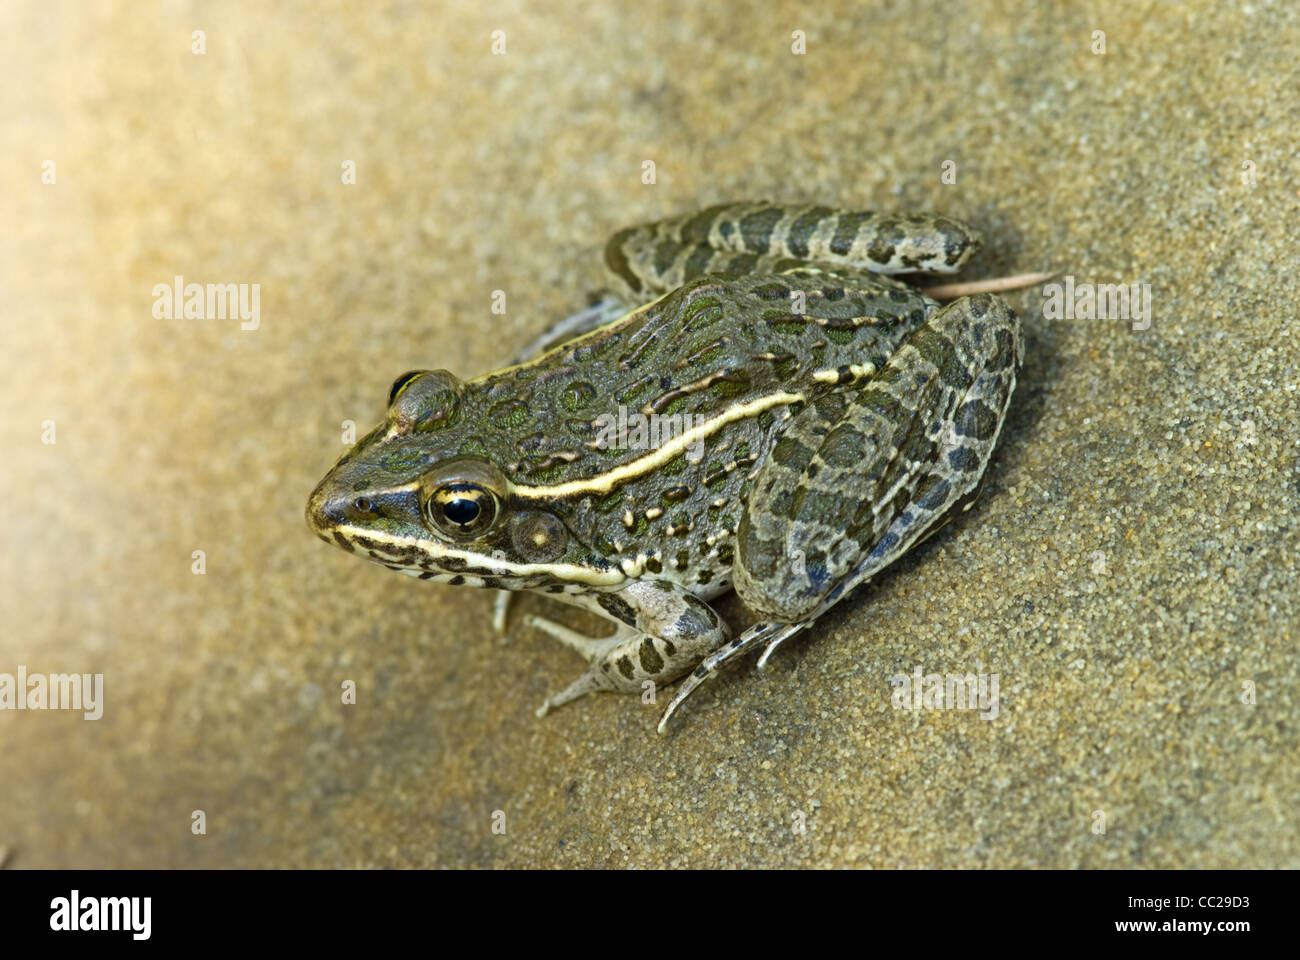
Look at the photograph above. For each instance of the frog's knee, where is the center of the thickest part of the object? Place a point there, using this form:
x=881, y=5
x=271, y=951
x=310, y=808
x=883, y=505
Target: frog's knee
x=695, y=629
x=775, y=586
x=688, y=624
x=985, y=332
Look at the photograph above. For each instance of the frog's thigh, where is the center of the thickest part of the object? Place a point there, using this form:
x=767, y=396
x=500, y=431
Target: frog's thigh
x=862, y=473
x=663, y=632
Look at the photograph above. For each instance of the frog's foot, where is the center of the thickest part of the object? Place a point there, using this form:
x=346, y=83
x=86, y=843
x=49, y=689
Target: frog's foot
x=772, y=634
x=626, y=661
x=594, y=649
x=775, y=640
x=590, y=682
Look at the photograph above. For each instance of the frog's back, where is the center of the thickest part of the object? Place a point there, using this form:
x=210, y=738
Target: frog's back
x=641, y=436
x=708, y=350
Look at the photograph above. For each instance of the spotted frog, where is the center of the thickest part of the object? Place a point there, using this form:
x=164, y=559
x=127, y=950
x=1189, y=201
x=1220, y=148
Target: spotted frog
x=769, y=411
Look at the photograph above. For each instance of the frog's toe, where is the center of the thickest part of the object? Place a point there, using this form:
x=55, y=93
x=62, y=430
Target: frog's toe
x=785, y=632
x=771, y=634
x=697, y=677
x=589, y=682
x=501, y=611
x=589, y=647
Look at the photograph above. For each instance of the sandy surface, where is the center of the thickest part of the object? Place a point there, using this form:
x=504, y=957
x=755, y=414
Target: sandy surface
x=1130, y=573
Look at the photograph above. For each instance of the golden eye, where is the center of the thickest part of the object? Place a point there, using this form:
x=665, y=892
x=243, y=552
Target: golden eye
x=462, y=510
x=464, y=497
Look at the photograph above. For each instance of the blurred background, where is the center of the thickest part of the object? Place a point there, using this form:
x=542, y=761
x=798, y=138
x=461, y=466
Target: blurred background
x=1129, y=572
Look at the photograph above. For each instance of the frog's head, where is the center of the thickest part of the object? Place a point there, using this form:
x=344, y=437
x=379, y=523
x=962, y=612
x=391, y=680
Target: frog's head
x=408, y=496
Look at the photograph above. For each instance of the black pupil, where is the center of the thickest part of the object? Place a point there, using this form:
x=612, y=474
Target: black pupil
x=461, y=511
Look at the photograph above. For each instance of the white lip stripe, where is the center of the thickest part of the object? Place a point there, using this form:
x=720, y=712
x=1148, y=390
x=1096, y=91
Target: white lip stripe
x=501, y=568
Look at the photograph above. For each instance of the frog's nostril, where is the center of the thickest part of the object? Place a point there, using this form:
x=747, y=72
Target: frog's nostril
x=323, y=511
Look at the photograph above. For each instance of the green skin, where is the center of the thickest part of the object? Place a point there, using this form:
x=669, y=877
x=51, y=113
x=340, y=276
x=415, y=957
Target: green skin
x=842, y=416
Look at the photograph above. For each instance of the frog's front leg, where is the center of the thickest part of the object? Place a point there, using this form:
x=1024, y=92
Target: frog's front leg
x=663, y=632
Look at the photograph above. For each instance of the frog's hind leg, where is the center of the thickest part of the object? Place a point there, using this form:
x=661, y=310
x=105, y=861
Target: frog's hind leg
x=732, y=239
x=861, y=475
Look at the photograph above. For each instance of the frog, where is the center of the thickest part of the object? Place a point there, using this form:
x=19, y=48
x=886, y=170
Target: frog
x=819, y=416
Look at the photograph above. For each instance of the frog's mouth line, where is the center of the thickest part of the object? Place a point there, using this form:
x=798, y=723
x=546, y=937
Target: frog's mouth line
x=445, y=563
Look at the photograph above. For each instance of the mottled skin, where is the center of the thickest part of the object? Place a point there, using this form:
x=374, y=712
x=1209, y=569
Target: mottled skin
x=843, y=415
x=734, y=239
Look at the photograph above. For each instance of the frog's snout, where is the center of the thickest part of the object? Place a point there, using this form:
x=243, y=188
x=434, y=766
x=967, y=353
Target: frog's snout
x=337, y=503
x=325, y=509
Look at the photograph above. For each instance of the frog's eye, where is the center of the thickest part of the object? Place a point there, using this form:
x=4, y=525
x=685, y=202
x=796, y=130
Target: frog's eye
x=461, y=510
x=400, y=382
x=424, y=401
x=464, y=497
